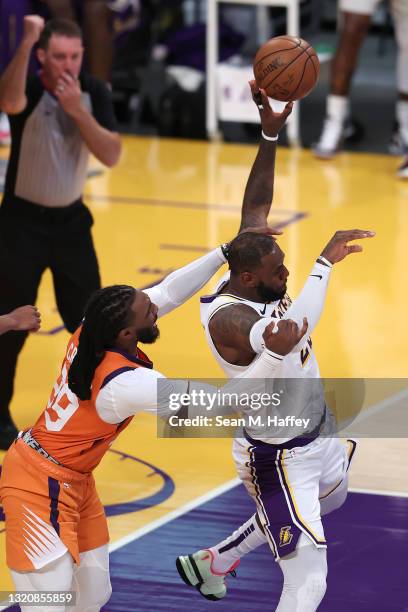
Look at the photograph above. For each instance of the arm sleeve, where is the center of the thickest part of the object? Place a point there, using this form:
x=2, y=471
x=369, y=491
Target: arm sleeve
x=310, y=300
x=137, y=391
x=253, y=381
x=309, y=303
x=181, y=284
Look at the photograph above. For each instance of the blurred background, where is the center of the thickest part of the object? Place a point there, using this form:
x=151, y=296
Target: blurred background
x=153, y=52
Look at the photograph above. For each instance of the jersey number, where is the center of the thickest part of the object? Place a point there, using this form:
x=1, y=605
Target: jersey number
x=62, y=403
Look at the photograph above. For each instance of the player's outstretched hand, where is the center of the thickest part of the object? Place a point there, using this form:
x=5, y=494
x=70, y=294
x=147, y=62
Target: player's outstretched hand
x=287, y=335
x=271, y=122
x=33, y=26
x=337, y=249
x=25, y=318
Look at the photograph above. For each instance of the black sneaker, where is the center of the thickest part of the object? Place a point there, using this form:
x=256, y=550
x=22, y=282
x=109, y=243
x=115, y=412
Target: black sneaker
x=8, y=433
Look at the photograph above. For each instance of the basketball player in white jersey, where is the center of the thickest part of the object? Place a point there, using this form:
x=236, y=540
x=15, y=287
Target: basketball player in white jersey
x=294, y=479
x=56, y=531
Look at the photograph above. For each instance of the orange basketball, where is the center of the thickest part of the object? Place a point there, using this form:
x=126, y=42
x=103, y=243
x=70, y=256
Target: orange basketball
x=287, y=68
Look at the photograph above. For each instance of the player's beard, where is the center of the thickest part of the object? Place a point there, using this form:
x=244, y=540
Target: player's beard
x=148, y=335
x=267, y=294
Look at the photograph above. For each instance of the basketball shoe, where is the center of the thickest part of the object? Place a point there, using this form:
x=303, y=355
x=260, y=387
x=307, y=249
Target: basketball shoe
x=5, y=138
x=402, y=171
x=333, y=136
x=196, y=570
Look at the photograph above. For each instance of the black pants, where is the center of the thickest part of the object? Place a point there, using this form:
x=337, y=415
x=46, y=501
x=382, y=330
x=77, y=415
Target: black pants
x=33, y=238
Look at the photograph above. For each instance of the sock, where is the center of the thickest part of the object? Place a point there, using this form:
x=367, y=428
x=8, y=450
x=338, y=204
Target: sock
x=337, y=107
x=246, y=538
x=402, y=117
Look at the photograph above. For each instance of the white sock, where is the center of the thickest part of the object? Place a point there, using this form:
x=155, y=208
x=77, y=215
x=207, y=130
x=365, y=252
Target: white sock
x=337, y=107
x=246, y=538
x=402, y=117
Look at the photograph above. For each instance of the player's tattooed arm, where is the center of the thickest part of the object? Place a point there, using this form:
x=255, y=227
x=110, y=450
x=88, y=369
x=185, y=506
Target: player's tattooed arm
x=259, y=189
x=230, y=328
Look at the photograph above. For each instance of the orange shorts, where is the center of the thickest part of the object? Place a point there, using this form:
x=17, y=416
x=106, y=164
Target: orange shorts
x=48, y=509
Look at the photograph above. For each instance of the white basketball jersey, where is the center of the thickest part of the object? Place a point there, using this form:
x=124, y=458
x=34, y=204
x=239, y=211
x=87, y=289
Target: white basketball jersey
x=308, y=400
x=302, y=364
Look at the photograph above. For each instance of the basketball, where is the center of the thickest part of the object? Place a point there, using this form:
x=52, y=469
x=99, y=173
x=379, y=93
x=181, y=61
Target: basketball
x=287, y=68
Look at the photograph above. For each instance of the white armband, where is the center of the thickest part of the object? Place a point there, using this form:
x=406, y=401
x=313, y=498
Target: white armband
x=256, y=334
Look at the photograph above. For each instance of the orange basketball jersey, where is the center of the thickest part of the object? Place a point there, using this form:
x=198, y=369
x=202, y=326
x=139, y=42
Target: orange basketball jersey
x=70, y=429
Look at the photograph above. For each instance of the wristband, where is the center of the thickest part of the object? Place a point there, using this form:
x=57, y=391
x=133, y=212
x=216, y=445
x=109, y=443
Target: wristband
x=324, y=261
x=225, y=249
x=271, y=138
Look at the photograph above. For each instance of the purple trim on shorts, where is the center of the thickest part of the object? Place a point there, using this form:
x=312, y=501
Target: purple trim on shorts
x=238, y=540
x=53, y=493
x=303, y=440
x=290, y=502
x=115, y=373
x=273, y=507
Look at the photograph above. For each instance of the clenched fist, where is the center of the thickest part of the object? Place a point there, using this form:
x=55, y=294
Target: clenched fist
x=283, y=336
x=33, y=26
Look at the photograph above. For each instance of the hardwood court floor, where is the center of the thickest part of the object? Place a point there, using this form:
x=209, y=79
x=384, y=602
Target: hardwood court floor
x=169, y=201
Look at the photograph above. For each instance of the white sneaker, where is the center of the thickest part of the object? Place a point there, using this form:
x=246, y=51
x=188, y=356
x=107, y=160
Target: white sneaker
x=331, y=139
x=5, y=136
x=196, y=570
x=402, y=171
x=396, y=144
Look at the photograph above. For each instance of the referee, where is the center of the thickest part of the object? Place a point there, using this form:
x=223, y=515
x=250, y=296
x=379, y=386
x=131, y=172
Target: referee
x=57, y=117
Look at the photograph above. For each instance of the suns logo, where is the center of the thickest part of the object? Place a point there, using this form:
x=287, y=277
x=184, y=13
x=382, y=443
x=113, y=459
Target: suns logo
x=164, y=488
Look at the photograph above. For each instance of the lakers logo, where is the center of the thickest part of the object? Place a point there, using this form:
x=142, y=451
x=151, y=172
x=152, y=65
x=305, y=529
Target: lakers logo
x=285, y=537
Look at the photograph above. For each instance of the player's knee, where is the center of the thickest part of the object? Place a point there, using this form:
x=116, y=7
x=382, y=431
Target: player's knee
x=101, y=597
x=313, y=589
x=355, y=26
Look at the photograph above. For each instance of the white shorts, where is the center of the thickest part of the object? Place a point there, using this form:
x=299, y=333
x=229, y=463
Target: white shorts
x=361, y=7
x=287, y=486
x=368, y=7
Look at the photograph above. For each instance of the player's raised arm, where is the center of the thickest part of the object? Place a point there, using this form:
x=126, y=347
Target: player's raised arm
x=310, y=300
x=259, y=189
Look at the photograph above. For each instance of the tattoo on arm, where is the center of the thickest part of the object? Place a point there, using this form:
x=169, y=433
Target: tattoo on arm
x=231, y=325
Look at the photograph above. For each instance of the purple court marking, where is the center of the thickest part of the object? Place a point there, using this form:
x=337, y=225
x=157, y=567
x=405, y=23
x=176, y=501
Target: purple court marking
x=52, y=331
x=178, y=204
x=293, y=218
x=368, y=539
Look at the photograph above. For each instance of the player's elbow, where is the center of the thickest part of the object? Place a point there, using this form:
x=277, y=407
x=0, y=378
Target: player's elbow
x=113, y=153
x=11, y=107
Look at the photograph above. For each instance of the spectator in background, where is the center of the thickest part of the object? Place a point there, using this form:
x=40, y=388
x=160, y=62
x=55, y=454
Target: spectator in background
x=353, y=31
x=57, y=117
x=95, y=19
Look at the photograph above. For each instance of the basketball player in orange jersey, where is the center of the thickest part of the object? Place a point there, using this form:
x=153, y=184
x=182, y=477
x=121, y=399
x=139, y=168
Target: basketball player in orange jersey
x=25, y=318
x=56, y=529
x=294, y=475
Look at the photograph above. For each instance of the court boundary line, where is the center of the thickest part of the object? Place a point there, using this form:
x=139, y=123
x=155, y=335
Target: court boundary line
x=374, y=409
x=378, y=492
x=173, y=514
x=199, y=501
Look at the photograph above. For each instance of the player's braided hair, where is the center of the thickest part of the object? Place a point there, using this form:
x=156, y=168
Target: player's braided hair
x=106, y=313
x=245, y=252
